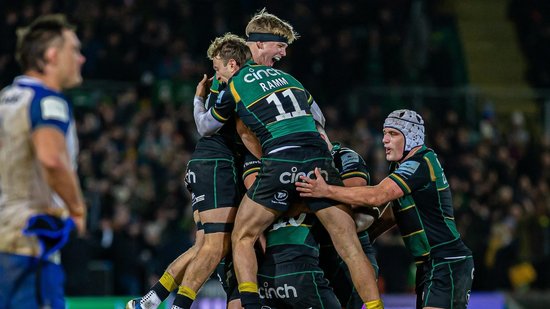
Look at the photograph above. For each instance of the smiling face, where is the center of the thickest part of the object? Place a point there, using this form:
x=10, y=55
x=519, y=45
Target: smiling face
x=394, y=144
x=269, y=52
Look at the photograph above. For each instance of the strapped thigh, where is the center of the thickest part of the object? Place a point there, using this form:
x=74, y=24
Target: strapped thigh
x=200, y=226
x=217, y=228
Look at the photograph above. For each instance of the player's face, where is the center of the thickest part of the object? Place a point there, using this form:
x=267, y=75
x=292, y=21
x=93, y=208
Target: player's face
x=70, y=61
x=223, y=72
x=271, y=52
x=394, y=144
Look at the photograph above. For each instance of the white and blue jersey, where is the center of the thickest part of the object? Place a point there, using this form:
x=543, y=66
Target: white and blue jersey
x=26, y=106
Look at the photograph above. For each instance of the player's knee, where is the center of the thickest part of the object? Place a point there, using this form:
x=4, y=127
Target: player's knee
x=242, y=236
x=214, y=250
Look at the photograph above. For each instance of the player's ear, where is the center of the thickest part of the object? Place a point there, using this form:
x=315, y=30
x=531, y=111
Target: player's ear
x=233, y=64
x=50, y=55
x=260, y=45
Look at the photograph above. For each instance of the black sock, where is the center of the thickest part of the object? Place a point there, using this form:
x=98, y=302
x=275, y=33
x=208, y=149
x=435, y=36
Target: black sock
x=250, y=300
x=183, y=301
x=161, y=291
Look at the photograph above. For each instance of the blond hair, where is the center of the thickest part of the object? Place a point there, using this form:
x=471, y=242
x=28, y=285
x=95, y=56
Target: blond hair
x=229, y=46
x=264, y=22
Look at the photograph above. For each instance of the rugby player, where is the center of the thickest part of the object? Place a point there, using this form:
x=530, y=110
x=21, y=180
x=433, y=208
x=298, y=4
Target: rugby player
x=423, y=211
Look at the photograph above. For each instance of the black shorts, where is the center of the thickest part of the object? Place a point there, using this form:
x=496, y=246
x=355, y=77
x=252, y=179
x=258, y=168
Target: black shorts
x=294, y=285
x=444, y=283
x=214, y=183
x=251, y=164
x=274, y=187
x=338, y=274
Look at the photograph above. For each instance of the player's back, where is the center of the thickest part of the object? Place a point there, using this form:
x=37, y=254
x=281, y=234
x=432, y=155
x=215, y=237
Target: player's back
x=290, y=240
x=275, y=106
x=23, y=189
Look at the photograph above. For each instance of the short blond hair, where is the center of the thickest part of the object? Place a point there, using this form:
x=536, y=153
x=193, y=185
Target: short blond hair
x=264, y=22
x=229, y=46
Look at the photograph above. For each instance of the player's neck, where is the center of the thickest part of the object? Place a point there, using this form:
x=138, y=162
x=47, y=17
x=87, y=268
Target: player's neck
x=48, y=79
x=411, y=153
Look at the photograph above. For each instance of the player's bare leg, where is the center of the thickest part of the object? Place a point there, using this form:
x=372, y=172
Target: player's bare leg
x=178, y=267
x=252, y=219
x=172, y=275
x=339, y=223
x=217, y=243
x=235, y=304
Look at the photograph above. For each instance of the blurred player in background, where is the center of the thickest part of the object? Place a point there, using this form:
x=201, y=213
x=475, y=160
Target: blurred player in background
x=423, y=211
x=40, y=195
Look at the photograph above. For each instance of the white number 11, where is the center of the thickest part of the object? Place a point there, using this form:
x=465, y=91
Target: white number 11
x=282, y=113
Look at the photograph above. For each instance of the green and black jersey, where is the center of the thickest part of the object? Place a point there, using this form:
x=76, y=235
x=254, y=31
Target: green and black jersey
x=273, y=104
x=291, y=240
x=349, y=163
x=222, y=143
x=425, y=213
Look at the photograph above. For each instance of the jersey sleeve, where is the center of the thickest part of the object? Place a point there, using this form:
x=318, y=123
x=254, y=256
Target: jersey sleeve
x=316, y=111
x=53, y=111
x=352, y=165
x=411, y=175
x=214, y=88
x=223, y=107
x=211, y=115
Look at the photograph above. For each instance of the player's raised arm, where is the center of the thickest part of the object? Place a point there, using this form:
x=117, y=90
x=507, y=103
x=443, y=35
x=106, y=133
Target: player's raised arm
x=206, y=123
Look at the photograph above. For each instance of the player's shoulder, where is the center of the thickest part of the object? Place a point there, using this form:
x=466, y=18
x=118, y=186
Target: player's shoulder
x=421, y=157
x=31, y=91
x=345, y=153
x=49, y=105
x=417, y=163
x=347, y=150
x=40, y=89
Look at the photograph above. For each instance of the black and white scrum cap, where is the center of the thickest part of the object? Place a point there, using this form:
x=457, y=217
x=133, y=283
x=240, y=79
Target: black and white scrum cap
x=410, y=124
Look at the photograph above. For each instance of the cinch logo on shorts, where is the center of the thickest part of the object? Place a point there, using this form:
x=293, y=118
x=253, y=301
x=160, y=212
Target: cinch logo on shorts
x=190, y=177
x=294, y=176
x=277, y=292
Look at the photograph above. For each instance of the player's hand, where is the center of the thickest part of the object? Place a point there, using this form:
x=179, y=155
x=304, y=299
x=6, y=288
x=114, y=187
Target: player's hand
x=203, y=86
x=80, y=223
x=312, y=187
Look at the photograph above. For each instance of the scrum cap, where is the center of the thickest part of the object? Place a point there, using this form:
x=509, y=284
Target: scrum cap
x=410, y=124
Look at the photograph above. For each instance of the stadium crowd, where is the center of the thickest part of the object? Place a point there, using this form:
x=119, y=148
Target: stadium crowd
x=134, y=149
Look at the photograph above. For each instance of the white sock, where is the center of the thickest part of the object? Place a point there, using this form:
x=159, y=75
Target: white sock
x=150, y=301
